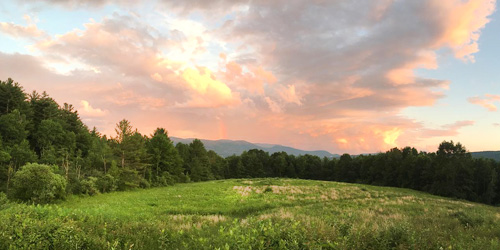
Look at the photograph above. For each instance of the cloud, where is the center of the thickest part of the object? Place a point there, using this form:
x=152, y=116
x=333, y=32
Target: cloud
x=207, y=90
x=71, y=4
x=250, y=78
x=488, y=101
x=87, y=110
x=334, y=75
x=463, y=25
x=19, y=31
x=447, y=130
x=290, y=96
x=273, y=106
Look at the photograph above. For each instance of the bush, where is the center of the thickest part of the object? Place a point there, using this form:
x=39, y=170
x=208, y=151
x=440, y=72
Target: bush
x=165, y=179
x=106, y=183
x=3, y=201
x=89, y=186
x=38, y=183
x=144, y=183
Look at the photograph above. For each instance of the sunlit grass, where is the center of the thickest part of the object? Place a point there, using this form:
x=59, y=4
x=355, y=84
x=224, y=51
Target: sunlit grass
x=256, y=213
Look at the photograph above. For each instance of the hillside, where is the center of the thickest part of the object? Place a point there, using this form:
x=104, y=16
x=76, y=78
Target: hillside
x=227, y=148
x=253, y=213
x=495, y=155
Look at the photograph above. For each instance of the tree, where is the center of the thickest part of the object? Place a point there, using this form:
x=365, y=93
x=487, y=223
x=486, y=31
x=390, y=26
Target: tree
x=123, y=130
x=100, y=152
x=130, y=147
x=343, y=169
x=51, y=133
x=43, y=107
x=254, y=162
x=183, y=150
x=235, y=167
x=278, y=164
x=163, y=156
x=13, y=128
x=20, y=155
x=393, y=160
x=4, y=163
x=199, y=162
x=12, y=97
x=453, y=175
x=55, y=144
x=218, y=165
x=37, y=183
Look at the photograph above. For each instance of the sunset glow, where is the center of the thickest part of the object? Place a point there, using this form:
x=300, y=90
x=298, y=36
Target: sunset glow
x=342, y=76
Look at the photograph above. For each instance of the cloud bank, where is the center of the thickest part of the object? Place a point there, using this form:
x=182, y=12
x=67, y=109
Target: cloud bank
x=333, y=75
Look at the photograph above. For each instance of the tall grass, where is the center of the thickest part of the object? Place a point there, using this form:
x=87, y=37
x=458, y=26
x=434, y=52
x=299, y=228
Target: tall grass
x=253, y=214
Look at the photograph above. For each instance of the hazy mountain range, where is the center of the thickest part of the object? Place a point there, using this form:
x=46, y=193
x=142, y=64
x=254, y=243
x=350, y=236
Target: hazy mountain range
x=495, y=155
x=227, y=148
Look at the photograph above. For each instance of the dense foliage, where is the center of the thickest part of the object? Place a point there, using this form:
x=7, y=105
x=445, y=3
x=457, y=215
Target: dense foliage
x=35, y=129
x=37, y=183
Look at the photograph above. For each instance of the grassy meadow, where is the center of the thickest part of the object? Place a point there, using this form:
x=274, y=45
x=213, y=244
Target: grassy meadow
x=253, y=214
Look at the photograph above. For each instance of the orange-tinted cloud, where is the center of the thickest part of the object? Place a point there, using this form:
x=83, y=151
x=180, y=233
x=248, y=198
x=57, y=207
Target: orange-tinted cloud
x=209, y=92
x=462, y=22
x=252, y=79
x=488, y=101
x=299, y=73
x=87, y=110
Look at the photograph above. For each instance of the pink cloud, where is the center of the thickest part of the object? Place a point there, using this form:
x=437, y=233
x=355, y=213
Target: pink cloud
x=250, y=78
x=488, y=101
x=313, y=74
x=462, y=23
x=19, y=31
x=88, y=111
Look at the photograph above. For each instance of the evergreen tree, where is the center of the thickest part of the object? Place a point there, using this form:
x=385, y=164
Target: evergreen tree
x=199, y=162
x=164, y=157
x=12, y=97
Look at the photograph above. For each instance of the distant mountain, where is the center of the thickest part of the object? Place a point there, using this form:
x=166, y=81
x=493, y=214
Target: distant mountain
x=495, y=155
x=227, y=148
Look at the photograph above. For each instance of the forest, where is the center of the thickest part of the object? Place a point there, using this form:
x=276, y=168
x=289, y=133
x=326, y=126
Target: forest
x=48, y=153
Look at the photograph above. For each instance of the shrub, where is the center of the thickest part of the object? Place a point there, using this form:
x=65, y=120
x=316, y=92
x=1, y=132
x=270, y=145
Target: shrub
x=38, y=183
x=89, y=186
x=144, y=183
x=3, y=201
x=165, y=179
x=106, y=183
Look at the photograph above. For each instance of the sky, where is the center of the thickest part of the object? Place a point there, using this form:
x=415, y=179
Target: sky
x=355, y=76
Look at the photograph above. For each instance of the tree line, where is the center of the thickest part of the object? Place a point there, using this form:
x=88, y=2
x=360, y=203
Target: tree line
x=47, y=152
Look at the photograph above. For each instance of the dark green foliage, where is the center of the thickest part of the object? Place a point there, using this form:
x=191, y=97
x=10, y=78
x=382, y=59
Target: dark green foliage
x=89, y=186
x=165, y=159
x=37, y=183
x=13, y=128
x=106, y=183
x=255, y=162
x=35, y=128
x=198, y=162
x=12, y=97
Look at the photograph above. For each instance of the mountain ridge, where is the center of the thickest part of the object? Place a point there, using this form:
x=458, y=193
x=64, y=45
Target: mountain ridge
x=227, y=148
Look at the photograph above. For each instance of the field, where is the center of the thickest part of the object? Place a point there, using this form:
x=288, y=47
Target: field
x=253, y=214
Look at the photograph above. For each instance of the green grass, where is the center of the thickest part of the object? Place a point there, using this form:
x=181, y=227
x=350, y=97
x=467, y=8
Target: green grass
x=253, y=214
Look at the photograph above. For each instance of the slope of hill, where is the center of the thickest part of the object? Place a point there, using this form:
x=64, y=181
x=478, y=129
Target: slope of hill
x=253, y=214
x=495, y=155
x=227, y=148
